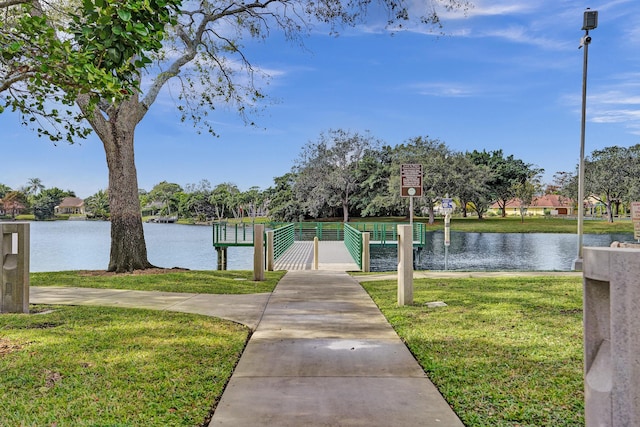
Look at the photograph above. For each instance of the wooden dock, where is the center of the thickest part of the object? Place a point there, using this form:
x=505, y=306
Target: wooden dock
x=332, y=255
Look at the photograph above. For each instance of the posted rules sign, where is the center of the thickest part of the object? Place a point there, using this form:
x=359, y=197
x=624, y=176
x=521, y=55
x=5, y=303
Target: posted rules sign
x=635, y=217
x=411, y=180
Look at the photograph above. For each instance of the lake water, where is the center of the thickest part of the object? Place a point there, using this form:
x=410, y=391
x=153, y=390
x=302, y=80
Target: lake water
x=84, y=245
x=497, y=251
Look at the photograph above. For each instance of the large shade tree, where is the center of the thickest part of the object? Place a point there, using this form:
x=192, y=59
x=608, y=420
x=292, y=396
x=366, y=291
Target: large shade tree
x=327, y=171
x=105, y=50
x=611, y=176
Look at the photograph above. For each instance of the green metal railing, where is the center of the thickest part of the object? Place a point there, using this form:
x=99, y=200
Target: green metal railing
x=283, y=238
x=225, y=234
x=241, y=234
x=353, y=242
x=384, y=233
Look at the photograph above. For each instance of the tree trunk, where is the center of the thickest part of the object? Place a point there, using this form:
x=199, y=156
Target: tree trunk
x=610, y=211
x=128, y=247
x=345, y=211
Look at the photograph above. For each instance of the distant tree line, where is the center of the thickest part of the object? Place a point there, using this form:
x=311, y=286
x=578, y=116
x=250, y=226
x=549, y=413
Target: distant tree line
x=344, y=174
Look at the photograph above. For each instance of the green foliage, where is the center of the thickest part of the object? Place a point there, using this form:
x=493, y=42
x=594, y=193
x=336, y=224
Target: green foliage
x=97, y=206
x=44, y=208
x=4, y=189
x=327, y=172
x=118, y=36
x=41, y=67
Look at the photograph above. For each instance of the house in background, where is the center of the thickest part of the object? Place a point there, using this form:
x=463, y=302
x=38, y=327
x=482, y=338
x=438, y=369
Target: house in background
x=11, y=207
x=70, y=205
x=549, y=204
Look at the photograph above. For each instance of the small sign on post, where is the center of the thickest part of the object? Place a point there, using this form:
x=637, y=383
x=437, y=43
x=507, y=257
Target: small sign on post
x=635, y=217
x=411, y=184
x=411, y=180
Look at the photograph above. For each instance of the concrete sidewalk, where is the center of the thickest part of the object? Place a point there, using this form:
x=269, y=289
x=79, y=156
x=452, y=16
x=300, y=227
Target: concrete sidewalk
x=323, y=355
x=245, y=309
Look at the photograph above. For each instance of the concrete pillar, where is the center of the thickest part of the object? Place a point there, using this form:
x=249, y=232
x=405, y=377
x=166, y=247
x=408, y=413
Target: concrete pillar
x=405, y=265
x=366, y=253
x=270, y=251
x=258, y=252
x=316, y=255
x=14, y=262
x=611, y=336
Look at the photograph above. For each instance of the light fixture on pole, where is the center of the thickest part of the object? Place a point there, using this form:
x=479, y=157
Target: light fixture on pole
x=589, y=23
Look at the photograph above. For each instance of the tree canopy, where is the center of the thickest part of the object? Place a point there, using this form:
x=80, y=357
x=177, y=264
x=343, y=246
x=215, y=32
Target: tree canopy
x=94, y=53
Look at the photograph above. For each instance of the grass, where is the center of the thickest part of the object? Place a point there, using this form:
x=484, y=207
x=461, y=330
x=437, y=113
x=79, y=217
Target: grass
x=504, y=352
x=513, y=224
x=96, y=366
x=203, y=282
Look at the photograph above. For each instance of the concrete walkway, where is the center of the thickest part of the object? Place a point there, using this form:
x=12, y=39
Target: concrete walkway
x=245, y=309
x=323, y=355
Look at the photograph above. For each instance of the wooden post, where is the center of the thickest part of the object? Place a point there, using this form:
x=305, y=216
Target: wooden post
x=222, y=257
x=315, y=253
x=270, y=251
x=405, y=265
x=366, y=253
x=258, y=252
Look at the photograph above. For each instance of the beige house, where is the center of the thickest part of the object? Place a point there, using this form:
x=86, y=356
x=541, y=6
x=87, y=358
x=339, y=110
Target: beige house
x=70, y=205
x=549, y=204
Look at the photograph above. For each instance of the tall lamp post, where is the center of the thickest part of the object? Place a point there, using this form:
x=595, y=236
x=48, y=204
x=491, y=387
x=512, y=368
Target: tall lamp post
x=590, y=22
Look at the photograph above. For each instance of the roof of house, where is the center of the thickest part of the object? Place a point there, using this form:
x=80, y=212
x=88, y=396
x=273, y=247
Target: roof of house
x=551, y=201
x=71, y=202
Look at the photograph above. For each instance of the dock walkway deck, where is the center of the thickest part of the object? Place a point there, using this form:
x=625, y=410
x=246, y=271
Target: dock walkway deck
x=332, y=255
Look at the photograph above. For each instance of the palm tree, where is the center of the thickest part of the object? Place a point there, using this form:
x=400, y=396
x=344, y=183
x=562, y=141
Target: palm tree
x=34, y=186
x=98, y=204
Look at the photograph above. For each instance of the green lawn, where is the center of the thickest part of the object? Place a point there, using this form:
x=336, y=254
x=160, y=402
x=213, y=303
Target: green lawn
x=516, y=225
x=96, y=366
x=504, y=352
x=204, y=282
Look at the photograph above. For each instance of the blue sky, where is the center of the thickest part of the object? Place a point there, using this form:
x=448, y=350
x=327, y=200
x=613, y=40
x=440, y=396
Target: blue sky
x=508, y=76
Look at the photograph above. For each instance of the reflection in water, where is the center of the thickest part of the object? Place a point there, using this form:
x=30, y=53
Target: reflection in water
x=84, y=245
x=496, y=251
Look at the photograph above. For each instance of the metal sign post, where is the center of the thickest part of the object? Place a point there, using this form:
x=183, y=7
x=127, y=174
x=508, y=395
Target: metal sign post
x=447, y=207
x=411, y=184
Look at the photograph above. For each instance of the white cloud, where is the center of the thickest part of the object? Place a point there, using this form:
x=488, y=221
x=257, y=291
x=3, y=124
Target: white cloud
x=445, y=90
x=493, y=8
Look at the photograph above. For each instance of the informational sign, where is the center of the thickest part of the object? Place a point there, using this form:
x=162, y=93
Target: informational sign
x=635, y=211
x=447, y=204
x=411, y=180
x=635, y=217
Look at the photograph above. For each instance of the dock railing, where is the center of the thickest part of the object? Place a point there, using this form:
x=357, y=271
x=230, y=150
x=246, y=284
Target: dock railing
x=353, y=242
x=381, y=233
x=283, y=238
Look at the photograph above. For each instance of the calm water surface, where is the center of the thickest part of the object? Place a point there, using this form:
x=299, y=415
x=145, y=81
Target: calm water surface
x=497, y=251
x=84, y=245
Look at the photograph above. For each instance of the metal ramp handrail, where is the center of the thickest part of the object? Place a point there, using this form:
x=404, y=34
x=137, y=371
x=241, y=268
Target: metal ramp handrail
x=283, y=238
x=353, y=242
